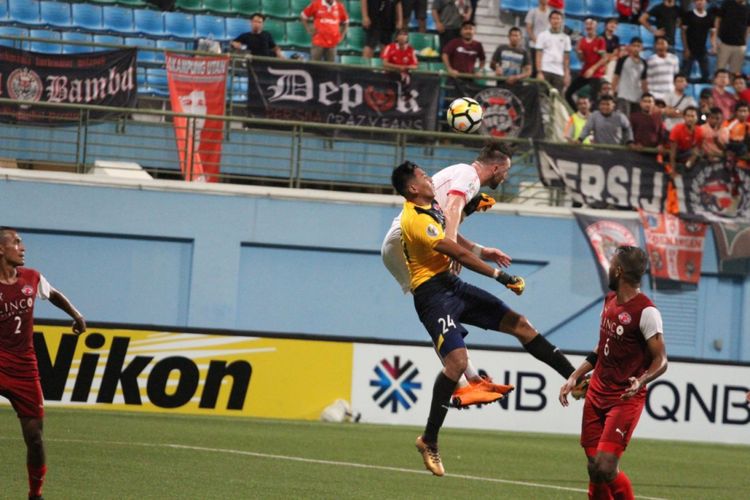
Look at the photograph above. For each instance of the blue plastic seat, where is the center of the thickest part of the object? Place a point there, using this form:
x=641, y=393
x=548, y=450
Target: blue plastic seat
x=109, y=39
x=647, y=37
x=76, y=37
x=156, y=82
x=118, y=19
x=237, y=26
x=87, y=16
x=576, y=8
x=148, y=22
x=627, y=32
x=56, y=14
x=24, y=12
x=49, y=47
x=575, y=63
x=3, y=10
x=574, y=24
x=520, y=6
x=167, y=45
x=601, y=9
x=144, y=56
x=15, y=32
x=210, y=27
x=179, y=25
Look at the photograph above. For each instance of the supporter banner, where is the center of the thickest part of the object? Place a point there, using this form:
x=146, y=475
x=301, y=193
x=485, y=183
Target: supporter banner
x=339, y=96
x=715, y=193
x=706, y=402
x=732, y=246
x=596, y=177
x=605, y=234
x=99, y=78
x=153, y=371
x=197, y=85
x=675, y=247
x=510, y=111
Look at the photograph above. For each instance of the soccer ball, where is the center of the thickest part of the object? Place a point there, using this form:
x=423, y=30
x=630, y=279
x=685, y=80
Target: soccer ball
x=465, y=115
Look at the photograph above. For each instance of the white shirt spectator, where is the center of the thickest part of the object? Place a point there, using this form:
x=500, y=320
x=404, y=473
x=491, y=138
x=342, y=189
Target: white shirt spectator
x=661, y=71
x=553, y=47
x=679, y=102
x=539, y=21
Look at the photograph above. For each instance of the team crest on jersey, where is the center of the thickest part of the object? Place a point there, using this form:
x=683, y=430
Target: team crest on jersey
x=624, y=318
x=25, y=85
x=432, y=231
x=27, y=290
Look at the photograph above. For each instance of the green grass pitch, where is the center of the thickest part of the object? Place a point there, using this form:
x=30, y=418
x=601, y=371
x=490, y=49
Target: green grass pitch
x=93, y=454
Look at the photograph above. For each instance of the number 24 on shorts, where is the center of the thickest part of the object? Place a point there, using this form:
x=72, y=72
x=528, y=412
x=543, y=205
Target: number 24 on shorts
x=446, y=323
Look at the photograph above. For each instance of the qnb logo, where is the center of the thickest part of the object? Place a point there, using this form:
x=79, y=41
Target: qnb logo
x=395, y=384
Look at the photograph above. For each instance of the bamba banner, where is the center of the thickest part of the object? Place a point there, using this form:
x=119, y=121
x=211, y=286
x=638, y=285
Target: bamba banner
x=675, y=247
x=157, y=371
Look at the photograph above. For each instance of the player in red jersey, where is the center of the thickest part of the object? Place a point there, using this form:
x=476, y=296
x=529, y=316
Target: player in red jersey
x=630, y=354
x=19, y=375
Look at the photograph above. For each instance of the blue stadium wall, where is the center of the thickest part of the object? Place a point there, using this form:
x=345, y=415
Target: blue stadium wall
x=264, y=262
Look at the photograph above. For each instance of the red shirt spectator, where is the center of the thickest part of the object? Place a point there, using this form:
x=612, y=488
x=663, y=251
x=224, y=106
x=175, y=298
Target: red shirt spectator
x=399, y=56
x=464, y=55
x=630, y=10
x=327, y=18
x=685, y=138
x=592, y=50
x=557, y=4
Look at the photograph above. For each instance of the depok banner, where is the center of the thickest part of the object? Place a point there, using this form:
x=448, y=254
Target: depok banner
x=594, y=177
x=98, y=78
x=197, y=85
x=321, y=94
x=675, y=247
x=691, y=402
x=605, y=234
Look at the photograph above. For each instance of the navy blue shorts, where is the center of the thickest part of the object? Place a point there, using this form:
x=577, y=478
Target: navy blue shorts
x=444, y=302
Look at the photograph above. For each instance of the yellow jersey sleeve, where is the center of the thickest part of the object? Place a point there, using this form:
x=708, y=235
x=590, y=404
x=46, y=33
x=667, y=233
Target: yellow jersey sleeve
x=421, y=229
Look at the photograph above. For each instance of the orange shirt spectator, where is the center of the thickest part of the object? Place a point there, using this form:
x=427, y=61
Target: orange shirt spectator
x=711, y=146
x=327, y=16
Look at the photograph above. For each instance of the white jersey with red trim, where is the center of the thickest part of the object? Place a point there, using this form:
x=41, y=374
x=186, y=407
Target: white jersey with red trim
x=459, y=179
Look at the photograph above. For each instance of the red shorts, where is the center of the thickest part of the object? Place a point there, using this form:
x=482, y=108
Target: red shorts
x=24, y=394
x=609, y=429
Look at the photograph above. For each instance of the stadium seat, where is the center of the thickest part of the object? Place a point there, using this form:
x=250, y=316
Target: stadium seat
x=277, y=8
x=167, y=46
x=575, y=63
x=237, y=87
x=354, y=9
x=422, y=41
x=3, y=10
x=179, y=24
x=107, y=39
x=647, y=37
x=698, y=87
x=56, y=14
x=118, y=19
x=149, y=22
x=276, y=28
x=49, y=47
x=246, y=7
x=678, y=46
x=211, y=27
x=24, y=12
x=189, y=5
x=576, y=8
x=156, y=82
x=87, y=16
x=133, y=3
x=297, y=36
x=144, y=56
x=627, y=32
x=355, y=40
x=104, y=2
x=601, y=9
x=436, y=66
x=75, y=36
x=574, y=25
x=376, y=62
x=236, y=26
x=14, y=32
x=519, y=6
x=354, y=60
x=220, y=6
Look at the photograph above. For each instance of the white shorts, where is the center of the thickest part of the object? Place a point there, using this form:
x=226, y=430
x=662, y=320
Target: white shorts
x=393, y=255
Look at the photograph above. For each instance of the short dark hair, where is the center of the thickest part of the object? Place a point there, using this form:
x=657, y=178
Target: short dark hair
x=705, y=93
x=555, y=13
x=402, y=175
x=468, y=23
x=400, y=31
x=610, y=19
x=647, y=94
x=716, y=111
x=656, y=39
x=589, y=18
x=258, y=14
x=741, y=104
x=636, y=39
x=679, y=75
x=514, y=28
x=494, y=152
x=634, y=262
x=720, y=71
x=693, y=108
x=606, y=97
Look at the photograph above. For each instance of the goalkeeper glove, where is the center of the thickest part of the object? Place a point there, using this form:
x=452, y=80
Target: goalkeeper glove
x=480, y=203
x=515, y=284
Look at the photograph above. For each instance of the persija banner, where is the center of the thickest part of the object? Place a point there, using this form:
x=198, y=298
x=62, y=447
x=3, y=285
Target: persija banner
x=605, y=234
x=197, y=85
x=675, y=246
x=99, y=78
x=319, y=94
x=604, y=177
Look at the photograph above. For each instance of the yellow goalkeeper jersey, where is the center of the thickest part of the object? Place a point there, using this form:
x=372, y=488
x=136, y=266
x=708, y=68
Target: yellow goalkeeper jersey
x=422, y=227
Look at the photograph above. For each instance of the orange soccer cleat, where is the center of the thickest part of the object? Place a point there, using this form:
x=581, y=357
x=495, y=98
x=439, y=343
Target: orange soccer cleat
x=430, y=456
x=479, y=392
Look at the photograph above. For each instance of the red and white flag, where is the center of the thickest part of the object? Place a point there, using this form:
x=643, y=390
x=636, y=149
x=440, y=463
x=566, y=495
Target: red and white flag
x=197, y=85
x=675, y=246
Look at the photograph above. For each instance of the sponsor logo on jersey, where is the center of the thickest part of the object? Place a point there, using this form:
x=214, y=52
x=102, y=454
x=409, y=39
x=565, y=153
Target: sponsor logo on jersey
x=432, y=231
x=624, y=318
x=27, y=290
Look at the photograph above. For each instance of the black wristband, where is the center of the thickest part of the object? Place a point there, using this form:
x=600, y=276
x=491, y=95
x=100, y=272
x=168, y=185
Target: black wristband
x=592, y=357
x=504, y=278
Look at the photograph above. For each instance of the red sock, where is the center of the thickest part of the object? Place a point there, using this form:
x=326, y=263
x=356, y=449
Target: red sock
x=621, y=487
x=599, y=491
x=36, y=478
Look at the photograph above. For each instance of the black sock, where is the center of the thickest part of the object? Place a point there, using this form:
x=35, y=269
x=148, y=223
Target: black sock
x=441, y=395
x=541, y=349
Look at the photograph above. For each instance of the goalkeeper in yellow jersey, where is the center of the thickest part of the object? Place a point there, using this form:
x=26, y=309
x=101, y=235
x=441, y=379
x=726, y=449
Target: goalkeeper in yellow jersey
x=443, y=301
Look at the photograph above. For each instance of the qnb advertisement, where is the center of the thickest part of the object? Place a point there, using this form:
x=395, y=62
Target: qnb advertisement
x=393, y=384
x=191, y=373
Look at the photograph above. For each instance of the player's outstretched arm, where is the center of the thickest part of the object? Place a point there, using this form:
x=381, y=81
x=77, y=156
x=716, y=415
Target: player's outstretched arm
x=572, y=381
x=658, y=352
x=467, y=258
x=61, y=302
x=485, y=253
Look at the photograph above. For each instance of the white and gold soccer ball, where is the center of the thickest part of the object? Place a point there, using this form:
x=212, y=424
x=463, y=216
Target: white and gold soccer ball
x=465, y=115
